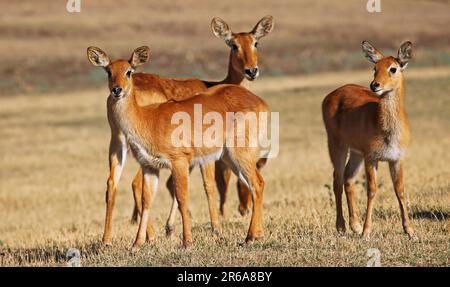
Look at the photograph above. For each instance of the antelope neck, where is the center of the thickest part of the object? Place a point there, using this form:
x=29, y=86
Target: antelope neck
x=234, y=77
x=391, y=109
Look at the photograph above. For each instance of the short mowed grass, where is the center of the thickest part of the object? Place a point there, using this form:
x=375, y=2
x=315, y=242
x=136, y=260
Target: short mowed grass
x=54, y=171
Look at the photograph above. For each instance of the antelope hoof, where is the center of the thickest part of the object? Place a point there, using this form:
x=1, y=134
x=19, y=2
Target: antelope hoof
x=249, y=241
x=169, y=230
x=366, y=235
x=357, y=228
x=134, y=217
x=340, y=227
x=223, y=212
x=410, y=232
x=216, y=230
x=243, y=210
x=134, y=220
x=187, y=243
x=107, y=242
x=134, y=250
x=136, y=247
x=251, y=238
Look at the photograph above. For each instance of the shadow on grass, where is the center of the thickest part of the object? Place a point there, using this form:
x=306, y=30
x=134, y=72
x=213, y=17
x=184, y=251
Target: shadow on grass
x=52, y=255
x=431, y=214
x=434, y=214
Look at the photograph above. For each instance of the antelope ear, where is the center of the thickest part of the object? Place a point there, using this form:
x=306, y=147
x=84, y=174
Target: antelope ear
x=97, y=57
x=140, y=56
x=371, y=53
x=404, y=54
x=264, y=27
x=221, y=29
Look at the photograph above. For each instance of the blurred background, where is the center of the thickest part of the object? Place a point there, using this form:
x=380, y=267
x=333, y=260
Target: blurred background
x=42, y=46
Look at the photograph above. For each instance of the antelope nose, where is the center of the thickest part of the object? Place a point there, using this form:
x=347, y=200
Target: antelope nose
x=374, y=86
x=252, y=73
x=116, y=91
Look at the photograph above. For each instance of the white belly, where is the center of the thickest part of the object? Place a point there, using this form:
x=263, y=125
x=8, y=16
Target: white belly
x=391, y=153
x=145, y=158
x=207, y=158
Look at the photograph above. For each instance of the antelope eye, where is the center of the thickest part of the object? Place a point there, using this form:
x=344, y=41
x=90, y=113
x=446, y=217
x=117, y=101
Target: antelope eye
x=235, y=47
x=129, y=73
x=256, y=44
x=393, y=70
x=109, y=73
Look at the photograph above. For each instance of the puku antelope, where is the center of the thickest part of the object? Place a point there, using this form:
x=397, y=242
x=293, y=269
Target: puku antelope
x=148, y=131
x=373, y=126
x=243, y=67
x=150, y=89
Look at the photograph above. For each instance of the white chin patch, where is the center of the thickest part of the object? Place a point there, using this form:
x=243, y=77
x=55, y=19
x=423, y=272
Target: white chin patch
x=120, y=96
x=252, y=79
x=380, y=92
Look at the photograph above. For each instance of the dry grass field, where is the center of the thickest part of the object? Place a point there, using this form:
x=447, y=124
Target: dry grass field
x=54, y=134
x=54, y=169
